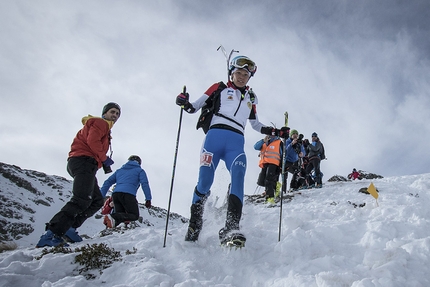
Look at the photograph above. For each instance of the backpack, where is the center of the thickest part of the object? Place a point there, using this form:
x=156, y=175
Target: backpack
x=211, y=107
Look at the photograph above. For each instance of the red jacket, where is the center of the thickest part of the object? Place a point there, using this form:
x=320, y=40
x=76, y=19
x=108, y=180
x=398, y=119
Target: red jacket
x=354, y=175
x=93, y=139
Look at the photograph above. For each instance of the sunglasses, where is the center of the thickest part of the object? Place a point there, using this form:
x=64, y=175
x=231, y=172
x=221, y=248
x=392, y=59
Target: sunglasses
x=244, y=63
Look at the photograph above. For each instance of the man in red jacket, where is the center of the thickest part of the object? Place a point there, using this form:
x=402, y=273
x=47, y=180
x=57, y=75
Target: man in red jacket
x=87, y=155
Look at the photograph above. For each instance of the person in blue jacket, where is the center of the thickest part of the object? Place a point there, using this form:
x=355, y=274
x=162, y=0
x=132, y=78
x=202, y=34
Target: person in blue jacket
x=127, y=180
x=294, y=151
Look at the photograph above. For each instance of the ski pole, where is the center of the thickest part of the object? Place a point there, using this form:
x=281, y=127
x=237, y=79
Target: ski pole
x=284, y=180
x=174, y=169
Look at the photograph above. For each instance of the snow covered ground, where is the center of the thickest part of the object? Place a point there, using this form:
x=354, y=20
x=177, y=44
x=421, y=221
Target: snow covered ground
x=327, y=240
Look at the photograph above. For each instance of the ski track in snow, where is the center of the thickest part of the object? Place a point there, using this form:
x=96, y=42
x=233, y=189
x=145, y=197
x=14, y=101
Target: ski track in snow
x=325, y=241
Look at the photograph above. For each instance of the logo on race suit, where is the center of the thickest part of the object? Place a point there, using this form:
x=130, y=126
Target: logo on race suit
x=230, y=94
x=241, y=163
x=206, y=158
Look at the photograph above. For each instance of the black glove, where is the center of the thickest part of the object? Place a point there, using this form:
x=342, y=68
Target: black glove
x=182, y=99
x=108, y=162
x=106, y=165
x=148, y=204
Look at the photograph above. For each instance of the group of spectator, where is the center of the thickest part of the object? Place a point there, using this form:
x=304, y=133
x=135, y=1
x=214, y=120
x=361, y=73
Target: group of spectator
x=302, y=159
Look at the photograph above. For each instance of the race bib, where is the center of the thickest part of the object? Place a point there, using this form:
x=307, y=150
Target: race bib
x=206, y=158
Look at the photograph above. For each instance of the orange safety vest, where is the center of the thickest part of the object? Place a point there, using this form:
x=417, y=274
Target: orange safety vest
x=270, y=153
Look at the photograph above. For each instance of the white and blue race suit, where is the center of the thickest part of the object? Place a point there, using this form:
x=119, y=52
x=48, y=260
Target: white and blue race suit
x=225, y=138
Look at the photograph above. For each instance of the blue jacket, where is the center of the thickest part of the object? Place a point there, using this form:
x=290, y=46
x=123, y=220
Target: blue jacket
x=291, y=155
x=127, y=180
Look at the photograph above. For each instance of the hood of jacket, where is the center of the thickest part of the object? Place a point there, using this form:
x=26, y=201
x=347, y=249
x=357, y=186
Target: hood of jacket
x=86, y=118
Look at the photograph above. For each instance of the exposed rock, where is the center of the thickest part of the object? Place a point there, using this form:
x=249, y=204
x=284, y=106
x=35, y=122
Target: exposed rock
x=336, y=178
x=363, y=175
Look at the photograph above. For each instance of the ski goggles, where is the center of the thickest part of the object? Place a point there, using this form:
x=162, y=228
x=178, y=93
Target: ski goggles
x=243, y=63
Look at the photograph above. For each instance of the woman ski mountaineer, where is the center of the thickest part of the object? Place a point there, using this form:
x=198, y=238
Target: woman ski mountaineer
x=225, y=141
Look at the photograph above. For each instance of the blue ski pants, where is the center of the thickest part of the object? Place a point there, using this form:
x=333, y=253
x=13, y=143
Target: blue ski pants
x=226, y=145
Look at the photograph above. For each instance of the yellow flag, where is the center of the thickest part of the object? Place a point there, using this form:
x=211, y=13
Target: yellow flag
x=372, y=190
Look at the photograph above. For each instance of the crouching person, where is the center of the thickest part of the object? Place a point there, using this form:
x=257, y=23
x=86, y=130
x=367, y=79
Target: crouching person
x=127, y=180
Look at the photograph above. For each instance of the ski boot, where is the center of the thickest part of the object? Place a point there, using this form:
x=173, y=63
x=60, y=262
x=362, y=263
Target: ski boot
x=196, y=218
x=231, y=238
x=72, y=236
x=230, y=235
x=51, y=240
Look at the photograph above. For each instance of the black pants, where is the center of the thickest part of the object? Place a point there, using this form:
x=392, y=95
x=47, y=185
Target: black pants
x=86, y=197
x=125, y=207
x=314, y=164
x=290, y=167
x=299, y=179
x=268, y=178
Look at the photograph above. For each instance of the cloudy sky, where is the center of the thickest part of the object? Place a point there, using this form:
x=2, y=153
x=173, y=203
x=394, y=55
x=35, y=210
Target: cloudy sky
x=355, y=72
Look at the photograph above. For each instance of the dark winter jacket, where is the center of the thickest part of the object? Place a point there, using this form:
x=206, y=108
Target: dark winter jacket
x=127, y=180
x=316, y=149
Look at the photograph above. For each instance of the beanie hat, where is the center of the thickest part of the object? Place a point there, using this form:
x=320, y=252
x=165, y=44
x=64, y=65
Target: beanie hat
x=294, y=132
x=314, y=134
x=111, y=105
x=135, y=158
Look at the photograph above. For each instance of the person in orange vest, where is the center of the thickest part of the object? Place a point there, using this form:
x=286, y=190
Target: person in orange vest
x=270, y=163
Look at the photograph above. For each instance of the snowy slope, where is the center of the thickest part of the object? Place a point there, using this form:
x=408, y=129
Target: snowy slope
x=327, y=240
x=28, y=200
